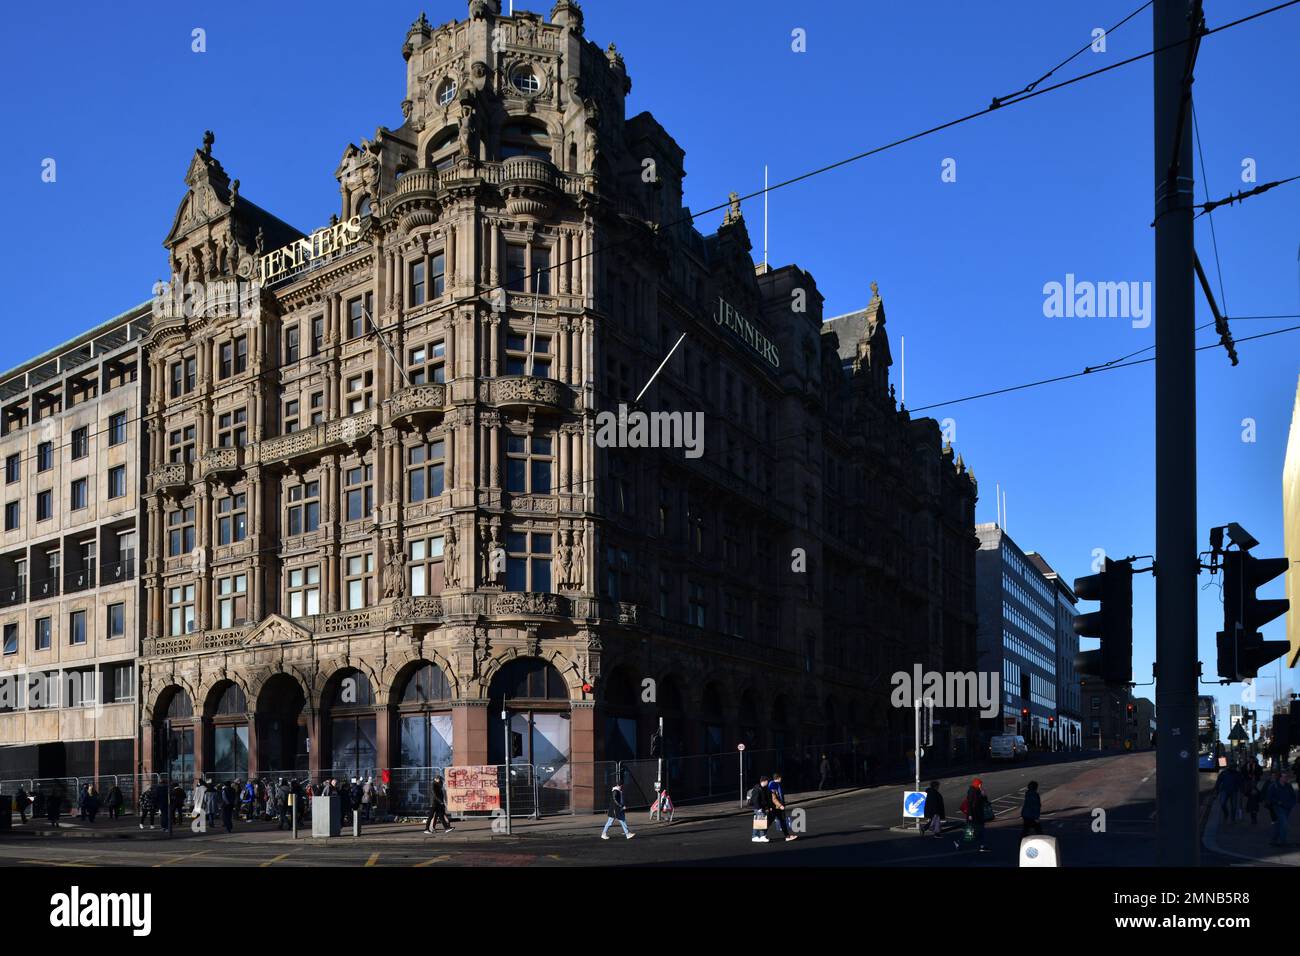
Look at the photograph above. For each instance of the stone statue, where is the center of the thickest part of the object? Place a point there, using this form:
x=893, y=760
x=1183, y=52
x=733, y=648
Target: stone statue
x=579, y=561
x=450, y=570
x=733, y=212
x=563, y=561
x=395, y=572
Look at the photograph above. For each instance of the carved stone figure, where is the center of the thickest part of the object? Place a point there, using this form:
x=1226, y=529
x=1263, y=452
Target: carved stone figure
x=563, y=561
x=395, y=572
x=579, y=561
x=450, y=570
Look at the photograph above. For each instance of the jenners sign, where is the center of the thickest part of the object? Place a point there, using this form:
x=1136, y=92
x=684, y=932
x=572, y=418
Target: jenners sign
x=743, y=329
x=325, y=241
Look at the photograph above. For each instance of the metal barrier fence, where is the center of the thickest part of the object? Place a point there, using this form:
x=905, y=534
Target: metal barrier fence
x=534, y=789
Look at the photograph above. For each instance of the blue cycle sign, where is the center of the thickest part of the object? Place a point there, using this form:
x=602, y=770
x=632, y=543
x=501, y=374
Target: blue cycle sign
x=914, y=804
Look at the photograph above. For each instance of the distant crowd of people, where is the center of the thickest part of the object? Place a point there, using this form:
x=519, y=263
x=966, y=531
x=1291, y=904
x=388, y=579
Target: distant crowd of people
x=1242, y=789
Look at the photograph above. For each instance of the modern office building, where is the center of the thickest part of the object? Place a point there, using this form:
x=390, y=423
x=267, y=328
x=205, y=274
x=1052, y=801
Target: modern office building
x=1067, y=729
x=399, y=506
x=1017, y=612
x=69, y=439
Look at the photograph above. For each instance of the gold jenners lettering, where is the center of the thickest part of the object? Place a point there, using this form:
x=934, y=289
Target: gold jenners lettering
x=745, y=330
x=323, y=242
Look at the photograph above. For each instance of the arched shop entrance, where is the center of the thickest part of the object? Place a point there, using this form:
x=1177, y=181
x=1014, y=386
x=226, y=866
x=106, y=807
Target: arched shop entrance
x=283, y=741
x=424, y=735
x=226, y=713
x=174, y=725
x=536, y=701
x=349, y=713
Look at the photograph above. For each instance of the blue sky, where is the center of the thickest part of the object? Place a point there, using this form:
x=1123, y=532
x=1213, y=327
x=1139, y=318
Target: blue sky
x=1058, y=185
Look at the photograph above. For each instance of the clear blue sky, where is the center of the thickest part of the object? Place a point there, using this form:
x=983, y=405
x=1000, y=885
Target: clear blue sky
x=1062, y=184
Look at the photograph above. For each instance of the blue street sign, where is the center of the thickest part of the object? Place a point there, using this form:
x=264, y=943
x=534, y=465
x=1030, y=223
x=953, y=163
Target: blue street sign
x=914, y=804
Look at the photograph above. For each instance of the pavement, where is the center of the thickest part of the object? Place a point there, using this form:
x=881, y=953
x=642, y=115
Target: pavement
x=1241, y=840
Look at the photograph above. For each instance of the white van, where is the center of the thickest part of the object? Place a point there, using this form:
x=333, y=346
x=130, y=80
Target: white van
x=1008, y=747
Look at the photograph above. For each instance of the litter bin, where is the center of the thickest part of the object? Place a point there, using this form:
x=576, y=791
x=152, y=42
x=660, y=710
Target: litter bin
x=326, y=816
x=6, y=811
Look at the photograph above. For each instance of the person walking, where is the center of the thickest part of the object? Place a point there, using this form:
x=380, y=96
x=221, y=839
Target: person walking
x=438, y=807
x=113, y=802
x=1031, y=811
x=824, y=768
x=284, y=817
x=1281, y=800
x=760, y=801
x=248, y=800
x=1226, y=788
x=22, y=801
x=368, y=800
x=935, y=809
x=175, y=802
x=90, y=803
x=976, y=807
x=1251, y=793
x=149, y=805
x=228, y=800
x=778, y=811
x=54, y=804
x=617, y=811
x=81, y=801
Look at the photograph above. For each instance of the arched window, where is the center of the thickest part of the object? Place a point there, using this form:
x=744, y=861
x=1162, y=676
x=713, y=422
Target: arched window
x=536, y=701
x=354, y=750
x=441, y=153
x=424, y=717
x=525, y=81
x=525, y=139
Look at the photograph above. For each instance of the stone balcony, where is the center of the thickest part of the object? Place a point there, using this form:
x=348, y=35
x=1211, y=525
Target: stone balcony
x=530, y=186
x=527, y=390
x=170, y=477
x=317, y=438
x=220, y=461
x=417, y=400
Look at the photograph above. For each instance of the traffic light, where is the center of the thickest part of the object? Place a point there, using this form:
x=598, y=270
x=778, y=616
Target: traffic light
x=1112, y=624
x=1024, y=712
x=1242, y=650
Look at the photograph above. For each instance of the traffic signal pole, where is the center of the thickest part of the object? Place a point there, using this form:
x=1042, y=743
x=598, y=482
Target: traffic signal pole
x=1177, y=838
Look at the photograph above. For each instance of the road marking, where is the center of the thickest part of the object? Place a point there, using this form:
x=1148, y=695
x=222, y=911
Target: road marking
x=58, y=863
x=373, y=857
x=553, y=856
x=436, y=859
x=183, y=856
x=275, y=859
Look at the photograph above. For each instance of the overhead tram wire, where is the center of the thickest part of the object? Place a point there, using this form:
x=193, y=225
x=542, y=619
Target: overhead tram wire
x=1031, y=92
x=1089, y=371
x=1205, y=181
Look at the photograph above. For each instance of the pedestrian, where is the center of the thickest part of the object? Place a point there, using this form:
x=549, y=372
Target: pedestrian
x=934, y=808
x=81, y=801
x=1031, y=811
x=248, y=800
x=1251, y=792
x=978, y=811
x=354, y=796
x=113, y=802
x=149, y=804
x=175, y=802
x=367, y=800
x=228, y=801
x=54, y=804
x=22, y=801
x=90, y=803
x=282, y=792
x=825, y=770
x=438, y=808
x=778, y=811
x=760, y=801
x=1280, y=800
x=1226, y=787
x=617, y=811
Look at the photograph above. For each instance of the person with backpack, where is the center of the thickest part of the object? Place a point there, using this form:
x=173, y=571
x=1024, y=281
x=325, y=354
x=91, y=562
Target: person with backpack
x=617, y=811
x=1280, y=800
x=1031, y=811
x=934, y=808
x=778, y=811
x=978, y=810
x=760, y=801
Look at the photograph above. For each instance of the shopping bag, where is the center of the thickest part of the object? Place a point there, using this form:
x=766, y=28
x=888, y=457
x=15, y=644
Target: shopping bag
x=988, y=812
x=968, y=834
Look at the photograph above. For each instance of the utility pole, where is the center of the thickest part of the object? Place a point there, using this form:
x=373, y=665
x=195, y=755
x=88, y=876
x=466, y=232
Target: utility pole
x=1177, y=842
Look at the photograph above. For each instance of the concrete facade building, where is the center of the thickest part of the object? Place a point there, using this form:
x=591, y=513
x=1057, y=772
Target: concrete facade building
x=69, y=439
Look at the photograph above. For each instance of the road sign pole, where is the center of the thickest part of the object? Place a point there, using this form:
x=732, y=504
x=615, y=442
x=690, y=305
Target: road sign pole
x=917, y=752
x=505, y=724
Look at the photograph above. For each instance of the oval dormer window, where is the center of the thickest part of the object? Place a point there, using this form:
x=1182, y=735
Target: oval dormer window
x=446, y=92
x=525, y=81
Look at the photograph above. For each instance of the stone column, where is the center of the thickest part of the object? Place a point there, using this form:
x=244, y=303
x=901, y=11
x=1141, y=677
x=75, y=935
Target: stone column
x=582, y=754
x=469, y=732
